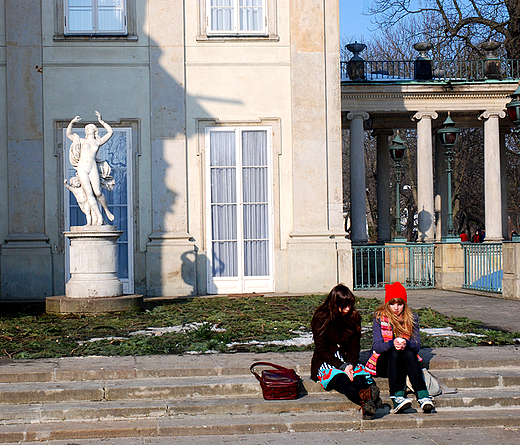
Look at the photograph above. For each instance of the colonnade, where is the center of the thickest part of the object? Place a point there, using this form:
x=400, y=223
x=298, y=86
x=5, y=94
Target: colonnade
x=431, y=203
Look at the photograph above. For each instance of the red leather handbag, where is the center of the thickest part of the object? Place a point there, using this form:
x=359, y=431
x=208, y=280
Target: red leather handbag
x=277, y=384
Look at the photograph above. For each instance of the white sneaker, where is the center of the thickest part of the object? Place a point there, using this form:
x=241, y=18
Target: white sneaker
x=426, y=404
x=400, y=404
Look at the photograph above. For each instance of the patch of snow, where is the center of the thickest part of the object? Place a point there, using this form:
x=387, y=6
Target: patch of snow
x=447, y=332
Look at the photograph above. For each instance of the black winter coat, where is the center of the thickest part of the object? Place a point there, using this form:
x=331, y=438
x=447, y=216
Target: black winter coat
x=343, y=336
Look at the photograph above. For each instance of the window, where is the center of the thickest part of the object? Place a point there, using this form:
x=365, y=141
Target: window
x=239, y=209
x=229, y=17
x=95, y=17
x=117, y=151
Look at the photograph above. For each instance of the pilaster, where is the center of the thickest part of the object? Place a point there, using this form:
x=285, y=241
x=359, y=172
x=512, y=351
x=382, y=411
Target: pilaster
x=26, y=267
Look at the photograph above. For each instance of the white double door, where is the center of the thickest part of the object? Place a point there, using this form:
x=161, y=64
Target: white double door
x=239, y=210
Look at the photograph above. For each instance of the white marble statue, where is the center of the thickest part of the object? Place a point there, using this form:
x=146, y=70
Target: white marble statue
x=91, y=173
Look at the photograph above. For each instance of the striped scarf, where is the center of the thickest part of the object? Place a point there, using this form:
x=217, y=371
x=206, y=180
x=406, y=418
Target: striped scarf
x=388, y=334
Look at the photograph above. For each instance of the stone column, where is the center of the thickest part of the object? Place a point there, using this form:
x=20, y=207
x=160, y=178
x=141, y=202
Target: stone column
x=425, y=205
x=358, y=210
x=503, y=168
x=384, y=231
x=441, y=192
x=26, y=263
x=492, y=174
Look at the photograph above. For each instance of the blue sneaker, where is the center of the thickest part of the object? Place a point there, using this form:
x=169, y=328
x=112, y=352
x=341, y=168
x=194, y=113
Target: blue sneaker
x=400, y=404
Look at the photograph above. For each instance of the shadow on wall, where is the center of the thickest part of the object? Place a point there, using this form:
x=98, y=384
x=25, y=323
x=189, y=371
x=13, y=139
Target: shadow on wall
x=172, y=251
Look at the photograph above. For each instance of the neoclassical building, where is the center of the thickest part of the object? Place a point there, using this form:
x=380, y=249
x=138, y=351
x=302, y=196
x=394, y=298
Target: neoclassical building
x=226, y=149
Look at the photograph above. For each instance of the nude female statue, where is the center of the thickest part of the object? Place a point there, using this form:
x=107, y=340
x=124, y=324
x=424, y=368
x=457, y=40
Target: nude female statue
x=91, y=173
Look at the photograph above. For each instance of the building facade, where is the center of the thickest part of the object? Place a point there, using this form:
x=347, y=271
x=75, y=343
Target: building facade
x=226, y=149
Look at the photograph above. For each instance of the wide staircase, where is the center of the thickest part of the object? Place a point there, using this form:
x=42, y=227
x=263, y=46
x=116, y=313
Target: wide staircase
x=166, y=396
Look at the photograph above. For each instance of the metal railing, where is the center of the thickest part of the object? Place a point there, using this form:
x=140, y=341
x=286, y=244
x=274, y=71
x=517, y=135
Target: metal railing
x=376, y=265
x=442, y=70
x=483, y=266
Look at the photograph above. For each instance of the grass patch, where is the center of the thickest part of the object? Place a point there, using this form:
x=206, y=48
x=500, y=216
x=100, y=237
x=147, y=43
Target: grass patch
x=28, y=332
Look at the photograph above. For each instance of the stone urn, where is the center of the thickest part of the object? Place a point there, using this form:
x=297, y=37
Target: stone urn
x=423, y=65
x=356, y=65
x=492, y=64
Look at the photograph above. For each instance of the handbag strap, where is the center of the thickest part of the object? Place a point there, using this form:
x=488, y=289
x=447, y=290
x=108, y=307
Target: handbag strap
x=281, y=368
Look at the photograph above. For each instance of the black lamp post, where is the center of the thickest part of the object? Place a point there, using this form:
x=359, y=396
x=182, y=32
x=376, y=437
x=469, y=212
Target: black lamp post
x=449, y=135
x=513, y=109
x=397, y=150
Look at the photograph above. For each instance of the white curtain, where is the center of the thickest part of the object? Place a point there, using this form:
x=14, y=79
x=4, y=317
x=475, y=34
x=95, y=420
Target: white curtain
x=105, y=15
x=80, y=15
x=110, y=15
x=251, y=15
x=222, y=15
x=255, y=198
x=223, y=203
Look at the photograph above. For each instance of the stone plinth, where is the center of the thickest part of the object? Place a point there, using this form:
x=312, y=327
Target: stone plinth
x=65, y=305
x=511, y=265
x=93, y=262
x=449, y=265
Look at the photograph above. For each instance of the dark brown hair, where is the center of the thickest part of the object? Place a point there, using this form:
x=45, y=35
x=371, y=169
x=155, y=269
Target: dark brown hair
x=339, y=297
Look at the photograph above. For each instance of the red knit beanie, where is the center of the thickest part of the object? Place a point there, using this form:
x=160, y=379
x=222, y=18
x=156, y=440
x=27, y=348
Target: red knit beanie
x=395, y=290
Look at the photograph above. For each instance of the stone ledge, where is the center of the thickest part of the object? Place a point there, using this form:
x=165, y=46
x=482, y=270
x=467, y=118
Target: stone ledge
x=65, y=305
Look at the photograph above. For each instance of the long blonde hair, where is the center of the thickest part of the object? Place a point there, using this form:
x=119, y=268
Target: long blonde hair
x=402, y=326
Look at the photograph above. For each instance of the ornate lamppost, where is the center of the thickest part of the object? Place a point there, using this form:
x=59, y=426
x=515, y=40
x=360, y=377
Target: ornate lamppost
x=513, y=109
x=449, y=135
x=397, y=150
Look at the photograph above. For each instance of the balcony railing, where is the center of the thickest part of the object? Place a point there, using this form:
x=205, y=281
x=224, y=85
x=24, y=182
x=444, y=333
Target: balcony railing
x=442, y=70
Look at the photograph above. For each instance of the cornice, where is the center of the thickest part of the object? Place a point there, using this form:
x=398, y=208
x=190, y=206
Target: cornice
x=424, y=96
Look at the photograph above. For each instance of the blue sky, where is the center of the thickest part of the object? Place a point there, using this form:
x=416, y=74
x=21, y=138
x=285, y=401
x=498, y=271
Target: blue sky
x=352, y=22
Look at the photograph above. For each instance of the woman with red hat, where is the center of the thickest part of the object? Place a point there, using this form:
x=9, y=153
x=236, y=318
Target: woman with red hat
x=395, y=346
x=336, y=328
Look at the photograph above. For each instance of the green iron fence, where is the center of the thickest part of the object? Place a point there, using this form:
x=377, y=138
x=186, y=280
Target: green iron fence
x=483, y=266
x=376, y=265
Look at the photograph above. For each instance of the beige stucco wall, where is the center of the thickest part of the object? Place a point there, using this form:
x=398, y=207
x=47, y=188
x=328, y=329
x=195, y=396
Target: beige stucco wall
x=173, y=81
x=83, y=76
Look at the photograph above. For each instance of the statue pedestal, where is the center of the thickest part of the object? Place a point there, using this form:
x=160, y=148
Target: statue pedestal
x=94, y=287
x=93, y=262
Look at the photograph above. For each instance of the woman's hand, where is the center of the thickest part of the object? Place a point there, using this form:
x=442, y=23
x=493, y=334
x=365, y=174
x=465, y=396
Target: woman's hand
x=349, y=370
x=399, y=343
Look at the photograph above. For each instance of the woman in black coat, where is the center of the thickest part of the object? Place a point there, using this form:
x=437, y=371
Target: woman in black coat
x=336, y=327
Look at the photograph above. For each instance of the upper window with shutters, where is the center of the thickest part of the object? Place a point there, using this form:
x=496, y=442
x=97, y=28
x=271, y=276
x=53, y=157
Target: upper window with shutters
x=95, y=17
x=236, y=18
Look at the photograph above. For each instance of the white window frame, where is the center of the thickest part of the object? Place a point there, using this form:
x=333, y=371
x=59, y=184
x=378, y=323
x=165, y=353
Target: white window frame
x=128, y=282
x=241, y=283
x=236, y=16
x=95, y=19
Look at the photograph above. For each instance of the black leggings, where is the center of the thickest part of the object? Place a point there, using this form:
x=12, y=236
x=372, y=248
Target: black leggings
x=347, y=387
x=396, y=365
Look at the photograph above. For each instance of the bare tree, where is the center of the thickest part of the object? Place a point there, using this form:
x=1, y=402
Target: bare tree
x=469, y=21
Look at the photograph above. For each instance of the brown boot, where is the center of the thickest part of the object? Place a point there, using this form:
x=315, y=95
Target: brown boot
x=374, y=392
x=368, y=407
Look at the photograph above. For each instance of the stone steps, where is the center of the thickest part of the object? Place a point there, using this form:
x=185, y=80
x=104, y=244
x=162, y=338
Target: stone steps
x=253, y=424
x=166, y=396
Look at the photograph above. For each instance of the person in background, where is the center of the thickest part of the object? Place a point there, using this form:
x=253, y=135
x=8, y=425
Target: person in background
x=396, y=342
x=336, y=328
x=464, y=238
